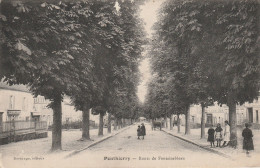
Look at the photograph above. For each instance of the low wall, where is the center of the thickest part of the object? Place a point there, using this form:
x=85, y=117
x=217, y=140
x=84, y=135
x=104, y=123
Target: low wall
x=23, y=137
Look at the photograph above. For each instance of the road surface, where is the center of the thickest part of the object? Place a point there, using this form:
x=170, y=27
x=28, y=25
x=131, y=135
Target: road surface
x=158, y=149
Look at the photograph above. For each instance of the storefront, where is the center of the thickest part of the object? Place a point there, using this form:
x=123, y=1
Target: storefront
x=13, y=114
x=36, y=116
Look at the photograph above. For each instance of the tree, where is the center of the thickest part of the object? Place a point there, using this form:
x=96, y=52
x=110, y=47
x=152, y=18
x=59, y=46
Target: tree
x=218, y=38
x=72, y=48
x=38, y=55
x=121, y=61
x=101, y=34
x=235, y=63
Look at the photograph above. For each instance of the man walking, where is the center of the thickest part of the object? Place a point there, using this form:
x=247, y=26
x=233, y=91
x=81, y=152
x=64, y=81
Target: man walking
x=143, y=131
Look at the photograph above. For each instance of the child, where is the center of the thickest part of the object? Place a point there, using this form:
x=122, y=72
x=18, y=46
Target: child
x=138, y=132
x=248, y=141
x=218, y=135
x=211, y=139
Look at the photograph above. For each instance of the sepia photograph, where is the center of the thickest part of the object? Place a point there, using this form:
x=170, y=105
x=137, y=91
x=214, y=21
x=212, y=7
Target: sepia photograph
x=129, y=83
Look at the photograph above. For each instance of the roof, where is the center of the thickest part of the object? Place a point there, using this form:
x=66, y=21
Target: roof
x=22, y=88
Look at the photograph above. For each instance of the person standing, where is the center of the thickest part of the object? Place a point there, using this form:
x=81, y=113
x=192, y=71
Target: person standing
x=248, y=139
x=143, y=131
x=138, y=132
x=226, y=134
x=211, y=138
x=218, y=134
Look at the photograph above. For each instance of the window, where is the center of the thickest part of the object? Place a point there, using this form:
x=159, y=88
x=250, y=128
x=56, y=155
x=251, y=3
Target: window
x=24, y=103
x=215, y=121
x=193, y=119
x=209, y=119
x=11, y=103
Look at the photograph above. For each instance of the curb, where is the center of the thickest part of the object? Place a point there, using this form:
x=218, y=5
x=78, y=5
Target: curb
x=196, y=144
x=97, y=142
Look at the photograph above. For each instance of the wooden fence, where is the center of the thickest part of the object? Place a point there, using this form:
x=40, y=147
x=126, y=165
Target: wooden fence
x=13, y=128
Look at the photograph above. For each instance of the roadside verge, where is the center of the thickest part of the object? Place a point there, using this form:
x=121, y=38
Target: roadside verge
x=197, y=144
x=97, y=142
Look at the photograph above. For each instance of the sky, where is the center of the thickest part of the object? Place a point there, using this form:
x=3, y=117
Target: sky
x=148, y=14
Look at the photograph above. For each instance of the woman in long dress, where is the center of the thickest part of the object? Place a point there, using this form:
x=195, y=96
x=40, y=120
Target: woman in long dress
x=248, y=139
x=226, y=134
x=143, y=130
x=211, y=137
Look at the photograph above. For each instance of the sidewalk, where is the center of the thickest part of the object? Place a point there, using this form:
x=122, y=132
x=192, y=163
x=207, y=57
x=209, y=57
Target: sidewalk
x=194, y=137
x=41, y=147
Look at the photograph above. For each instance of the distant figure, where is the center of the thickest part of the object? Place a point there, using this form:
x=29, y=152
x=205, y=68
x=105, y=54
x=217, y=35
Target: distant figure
x=211, y=139
x=248, y=139
x=226, y=134
x=143, y=131
x=156, y=124
x=139, y=132
x=218, y=134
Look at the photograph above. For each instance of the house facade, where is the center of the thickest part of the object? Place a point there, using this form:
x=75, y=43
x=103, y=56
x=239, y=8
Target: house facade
x=252, y=111
x=16, y=103
x=248, y=112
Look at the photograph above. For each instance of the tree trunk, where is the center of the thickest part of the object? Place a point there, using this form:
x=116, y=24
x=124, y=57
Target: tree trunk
x=178, y=123
x=120, y=123
x=232, y=119
x=85, y=122
x=109, y=123
x=202, y=135
x=166, y=119
x=123, y=122
x=171, y=124
x=187, y=121
x=100, y=128
x=131, y=121
x=57, y=118
x=115, y=124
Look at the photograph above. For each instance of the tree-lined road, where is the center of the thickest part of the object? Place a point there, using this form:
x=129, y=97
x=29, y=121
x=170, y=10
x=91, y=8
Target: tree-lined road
x=125, y=149
x=200, y=53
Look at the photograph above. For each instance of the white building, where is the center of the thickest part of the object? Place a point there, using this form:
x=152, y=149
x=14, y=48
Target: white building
x=253, y=111
x=41, y=111
x=248, y=112
x=16, y=103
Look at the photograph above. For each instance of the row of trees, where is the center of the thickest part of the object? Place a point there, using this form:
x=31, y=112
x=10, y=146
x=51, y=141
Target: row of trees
x=88, y=50
x=202, y=52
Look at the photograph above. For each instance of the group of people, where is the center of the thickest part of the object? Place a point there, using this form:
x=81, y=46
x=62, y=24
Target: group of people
x=141, y=131
x=219, y=135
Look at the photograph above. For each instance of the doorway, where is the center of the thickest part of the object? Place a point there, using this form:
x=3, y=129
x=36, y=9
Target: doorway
x=257, y=119
x=1, y=121
x=1, y=118
x=250, y=115
x=209, y=119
